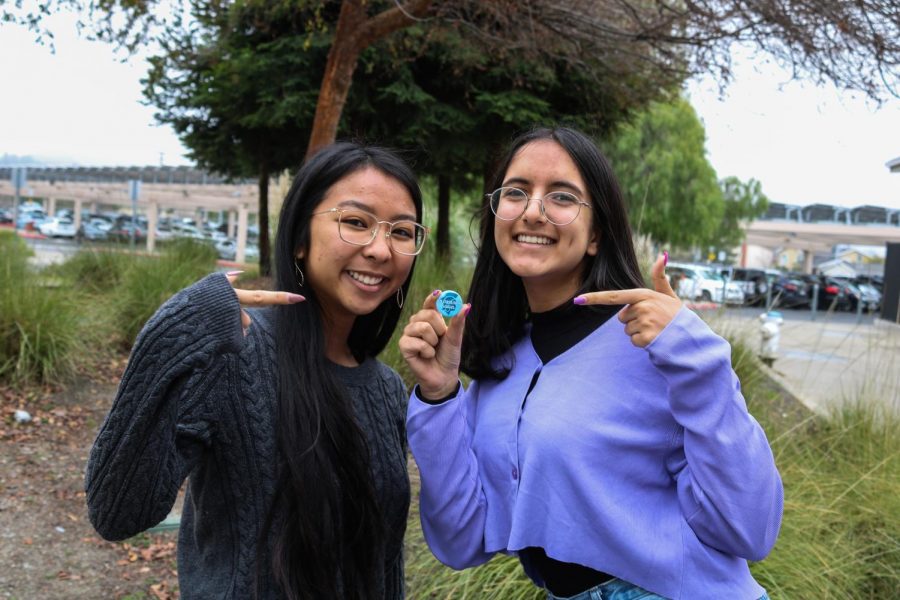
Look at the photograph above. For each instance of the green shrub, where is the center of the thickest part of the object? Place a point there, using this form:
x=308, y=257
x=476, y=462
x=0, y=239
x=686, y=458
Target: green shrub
x=150, y=281
x=95, y=270
x=39, y=325
x=840, y=536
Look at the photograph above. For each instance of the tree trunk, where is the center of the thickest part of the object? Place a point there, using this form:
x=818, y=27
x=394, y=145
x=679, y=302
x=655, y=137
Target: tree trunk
x=265, y=261
x=353, y=34
x=443, y=220
x=342, y=59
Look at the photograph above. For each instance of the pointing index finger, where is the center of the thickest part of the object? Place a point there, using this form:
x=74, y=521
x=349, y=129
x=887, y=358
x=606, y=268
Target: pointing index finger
x=266, y=298
x=613, y=297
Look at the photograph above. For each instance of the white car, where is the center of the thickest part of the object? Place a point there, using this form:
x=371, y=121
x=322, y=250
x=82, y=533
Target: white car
x=57, y=227
x=227, y=250
x=696, y=282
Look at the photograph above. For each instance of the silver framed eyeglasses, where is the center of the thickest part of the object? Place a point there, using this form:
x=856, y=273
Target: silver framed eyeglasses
x=359, y=227
x=560, y=208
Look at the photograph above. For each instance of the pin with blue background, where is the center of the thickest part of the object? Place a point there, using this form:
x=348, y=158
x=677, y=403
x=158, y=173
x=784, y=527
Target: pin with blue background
x=449, y=303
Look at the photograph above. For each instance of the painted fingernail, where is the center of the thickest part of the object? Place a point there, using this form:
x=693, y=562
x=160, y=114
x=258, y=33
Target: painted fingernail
x=665, y=257
x=466, y=310
x=579, y=300
x=233, y=273
x=295, y=298
x=435, y=292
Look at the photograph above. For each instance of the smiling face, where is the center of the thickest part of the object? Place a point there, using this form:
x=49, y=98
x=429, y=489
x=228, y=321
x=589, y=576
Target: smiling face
x=549, y=258
x=350, y=280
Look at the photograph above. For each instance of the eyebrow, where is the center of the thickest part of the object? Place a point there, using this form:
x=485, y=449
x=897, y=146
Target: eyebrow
x=560, y=183
x=368, y=209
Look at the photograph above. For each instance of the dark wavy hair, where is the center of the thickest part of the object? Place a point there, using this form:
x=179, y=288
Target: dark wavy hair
x=499, y=304
x=325, y=517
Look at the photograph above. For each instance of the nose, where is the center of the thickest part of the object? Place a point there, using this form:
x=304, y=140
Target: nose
x=534, y=210
x=379, y=248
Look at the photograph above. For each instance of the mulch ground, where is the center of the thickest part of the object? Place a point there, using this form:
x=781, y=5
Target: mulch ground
x=48, y=548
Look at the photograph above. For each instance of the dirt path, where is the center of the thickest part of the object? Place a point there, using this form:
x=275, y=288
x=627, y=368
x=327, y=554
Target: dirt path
x=48, y=549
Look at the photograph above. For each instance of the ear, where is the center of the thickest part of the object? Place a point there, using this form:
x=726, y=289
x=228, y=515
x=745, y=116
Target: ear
x=593, y=244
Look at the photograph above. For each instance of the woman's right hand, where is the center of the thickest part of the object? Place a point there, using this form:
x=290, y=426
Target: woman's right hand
x=432, y=348
x=259, y=298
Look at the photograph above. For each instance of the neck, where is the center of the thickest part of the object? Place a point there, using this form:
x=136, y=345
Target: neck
x=544, y=295
x=337, y=332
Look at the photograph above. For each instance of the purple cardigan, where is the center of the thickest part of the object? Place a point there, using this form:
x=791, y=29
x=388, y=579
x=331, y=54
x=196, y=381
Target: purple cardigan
x=641, y=463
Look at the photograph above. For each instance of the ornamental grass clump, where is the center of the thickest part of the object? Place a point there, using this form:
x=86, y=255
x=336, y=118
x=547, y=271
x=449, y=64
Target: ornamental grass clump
x=150, y=280
x=39, y=323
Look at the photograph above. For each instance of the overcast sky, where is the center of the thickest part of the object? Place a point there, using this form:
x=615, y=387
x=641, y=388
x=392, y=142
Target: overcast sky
x=805, y=144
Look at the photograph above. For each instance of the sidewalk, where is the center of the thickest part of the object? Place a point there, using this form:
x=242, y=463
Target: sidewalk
x=831, y=360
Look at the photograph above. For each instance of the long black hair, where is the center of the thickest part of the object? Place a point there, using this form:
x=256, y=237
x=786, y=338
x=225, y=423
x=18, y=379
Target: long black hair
x=329, y=524
x=500, y=306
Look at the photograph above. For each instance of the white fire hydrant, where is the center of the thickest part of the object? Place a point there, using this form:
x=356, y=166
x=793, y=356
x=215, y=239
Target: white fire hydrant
x=770, y=331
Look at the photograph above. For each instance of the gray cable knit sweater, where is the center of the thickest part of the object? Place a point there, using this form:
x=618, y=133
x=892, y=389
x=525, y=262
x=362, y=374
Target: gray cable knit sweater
x=198, y=400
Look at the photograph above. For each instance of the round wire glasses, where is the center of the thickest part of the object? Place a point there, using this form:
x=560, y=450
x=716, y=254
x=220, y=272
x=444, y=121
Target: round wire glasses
x=560, y=208
x=359, y=227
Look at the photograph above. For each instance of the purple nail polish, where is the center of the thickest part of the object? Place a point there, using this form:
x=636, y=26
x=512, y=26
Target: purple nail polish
x=665, y=257
x=295, y=298
x=579, y=300
x=435, y=292
x=466, y=310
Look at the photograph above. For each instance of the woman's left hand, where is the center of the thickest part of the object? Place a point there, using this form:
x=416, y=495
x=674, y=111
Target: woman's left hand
x=648, y=311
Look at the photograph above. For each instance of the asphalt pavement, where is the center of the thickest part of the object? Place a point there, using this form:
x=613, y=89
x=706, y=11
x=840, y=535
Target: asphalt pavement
x=827, y=359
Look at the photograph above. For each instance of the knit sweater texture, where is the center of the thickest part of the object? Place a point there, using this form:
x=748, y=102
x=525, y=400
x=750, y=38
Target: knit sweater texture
x=198, y=401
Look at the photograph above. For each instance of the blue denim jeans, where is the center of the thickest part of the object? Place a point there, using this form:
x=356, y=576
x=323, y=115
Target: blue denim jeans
x=616, y=589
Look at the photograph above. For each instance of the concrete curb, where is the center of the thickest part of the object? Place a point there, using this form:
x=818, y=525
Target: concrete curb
x=790, y=390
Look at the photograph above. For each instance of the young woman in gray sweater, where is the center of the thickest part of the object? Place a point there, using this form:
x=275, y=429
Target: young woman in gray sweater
x=289, y=430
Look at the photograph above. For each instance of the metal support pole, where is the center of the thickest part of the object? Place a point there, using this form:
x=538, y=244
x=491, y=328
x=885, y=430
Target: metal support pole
x=815, y=301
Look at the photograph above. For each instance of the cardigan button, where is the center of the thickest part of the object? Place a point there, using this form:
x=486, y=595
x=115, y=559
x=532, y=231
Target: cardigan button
x=515, y=473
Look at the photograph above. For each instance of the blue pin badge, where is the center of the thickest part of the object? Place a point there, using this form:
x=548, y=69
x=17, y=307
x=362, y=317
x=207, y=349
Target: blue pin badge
x=449, y=303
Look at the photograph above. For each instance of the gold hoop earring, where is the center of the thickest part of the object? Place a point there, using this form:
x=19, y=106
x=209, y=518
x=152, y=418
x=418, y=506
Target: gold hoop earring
x=400, y=297
x=301, y=280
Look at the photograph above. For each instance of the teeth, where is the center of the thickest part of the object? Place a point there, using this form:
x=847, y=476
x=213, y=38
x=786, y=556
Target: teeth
x=366, y=279
x=534, y=239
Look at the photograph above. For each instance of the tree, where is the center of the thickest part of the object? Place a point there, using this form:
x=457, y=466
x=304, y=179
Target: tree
x=744, y=202
x=855, y=45
x=671, y=189
x=440, y=91
x=240, y=96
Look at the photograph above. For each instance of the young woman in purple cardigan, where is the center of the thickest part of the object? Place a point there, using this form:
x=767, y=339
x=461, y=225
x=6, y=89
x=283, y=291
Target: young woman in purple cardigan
x=604, y=439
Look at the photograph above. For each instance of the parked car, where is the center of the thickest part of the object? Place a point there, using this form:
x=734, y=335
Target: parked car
x=57, y=227
x=790, y=291
x=101, y=223
x=834, y=294
x=753, y=282
x=876, y=281
x=122, y=232
x=89, y=231
x=30, y=218
x=871, y=296
x=227, y=250
x=5, y=216
x=697, y=282
x=857, y=294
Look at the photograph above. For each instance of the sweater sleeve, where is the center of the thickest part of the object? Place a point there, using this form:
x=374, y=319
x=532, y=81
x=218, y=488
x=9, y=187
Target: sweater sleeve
x=728, y=486
x=162, y=417
x=452, y=502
